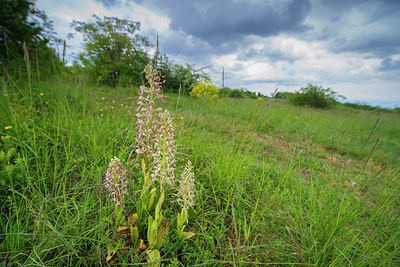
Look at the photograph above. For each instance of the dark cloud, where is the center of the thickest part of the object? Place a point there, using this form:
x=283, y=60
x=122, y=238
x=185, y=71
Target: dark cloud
x=380, y=45
x=202, y=29
x=389, y=64
x=226, y=20
x=272, y=54
x=178, y=43
x=109, y=3
x=376, y=9
x=364, y=26
x=223, y=21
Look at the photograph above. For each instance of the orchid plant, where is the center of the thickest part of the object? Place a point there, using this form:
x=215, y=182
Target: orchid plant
x=154, y=148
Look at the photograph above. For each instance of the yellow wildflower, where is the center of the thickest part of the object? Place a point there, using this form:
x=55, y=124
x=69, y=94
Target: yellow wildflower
x=100, y=109
x=41, y=94
x=8, y=127
x=102, y=98
x=112, y=106
x=46, y=103
x=181, y=118
x=101, y=115
x=122, y=105
x=113, y=101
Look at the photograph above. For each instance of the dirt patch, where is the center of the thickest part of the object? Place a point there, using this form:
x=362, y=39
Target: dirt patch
x=277, y=142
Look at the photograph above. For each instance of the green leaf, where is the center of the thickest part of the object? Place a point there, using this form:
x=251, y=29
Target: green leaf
x=161, y=233
x=154, y=257
x=134, y=235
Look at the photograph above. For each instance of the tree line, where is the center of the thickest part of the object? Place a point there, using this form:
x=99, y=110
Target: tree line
x=26, y=35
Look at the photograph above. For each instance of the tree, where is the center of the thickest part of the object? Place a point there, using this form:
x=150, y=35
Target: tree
x=21, y=22
x=176, y=76
x=315, y=96
x=113, y=51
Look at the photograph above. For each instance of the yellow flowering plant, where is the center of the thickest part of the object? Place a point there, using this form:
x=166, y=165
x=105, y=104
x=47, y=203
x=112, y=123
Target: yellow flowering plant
x=205, y=90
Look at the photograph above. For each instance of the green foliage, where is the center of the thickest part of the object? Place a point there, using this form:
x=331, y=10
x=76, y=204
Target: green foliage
x=224, y=91
x=11, y=167
x=180, y=76
x=364, y=106
x=239, y=93
x=251, y=95
x=314, y=96
x=235, y=93
x=283, y=95
x=21, y=22
x=114, y=52
x=205, y=90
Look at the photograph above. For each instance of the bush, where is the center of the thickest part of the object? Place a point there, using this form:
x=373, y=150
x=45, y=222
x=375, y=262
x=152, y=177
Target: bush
x=225, y=91
x=237, y=93
x=283, y=95
x=251, y=95
x=205, y=90
x=314, y=96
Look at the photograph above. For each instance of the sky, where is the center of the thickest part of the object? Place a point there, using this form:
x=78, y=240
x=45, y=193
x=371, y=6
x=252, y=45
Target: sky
x=350, y=46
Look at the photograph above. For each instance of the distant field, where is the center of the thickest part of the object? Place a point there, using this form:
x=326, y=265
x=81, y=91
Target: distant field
x=295, y=185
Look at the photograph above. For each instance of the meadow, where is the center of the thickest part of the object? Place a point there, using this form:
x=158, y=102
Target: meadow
x=276, y=184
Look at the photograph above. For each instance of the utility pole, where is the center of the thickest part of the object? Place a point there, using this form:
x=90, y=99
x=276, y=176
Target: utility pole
x=223, y=77
x=157, y=53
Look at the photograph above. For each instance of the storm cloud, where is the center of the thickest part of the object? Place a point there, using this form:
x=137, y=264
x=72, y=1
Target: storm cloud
x=362, y=26
x=223, y=21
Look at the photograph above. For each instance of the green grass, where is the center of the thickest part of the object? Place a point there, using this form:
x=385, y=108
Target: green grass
x=268, y=193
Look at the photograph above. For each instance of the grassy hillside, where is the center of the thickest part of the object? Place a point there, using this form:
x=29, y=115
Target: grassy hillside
x=291, y=185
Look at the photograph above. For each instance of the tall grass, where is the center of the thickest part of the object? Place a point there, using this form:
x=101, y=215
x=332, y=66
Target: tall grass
x=268, y=194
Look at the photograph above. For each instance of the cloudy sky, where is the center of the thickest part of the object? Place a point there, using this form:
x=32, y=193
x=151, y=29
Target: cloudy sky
x=351, y=46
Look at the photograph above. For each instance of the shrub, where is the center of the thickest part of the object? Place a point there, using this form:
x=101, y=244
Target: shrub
x=225, y=91
x=283, y=95
x=251, y=95
x=314, y=96
x=205, y=90
x=237, y=93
